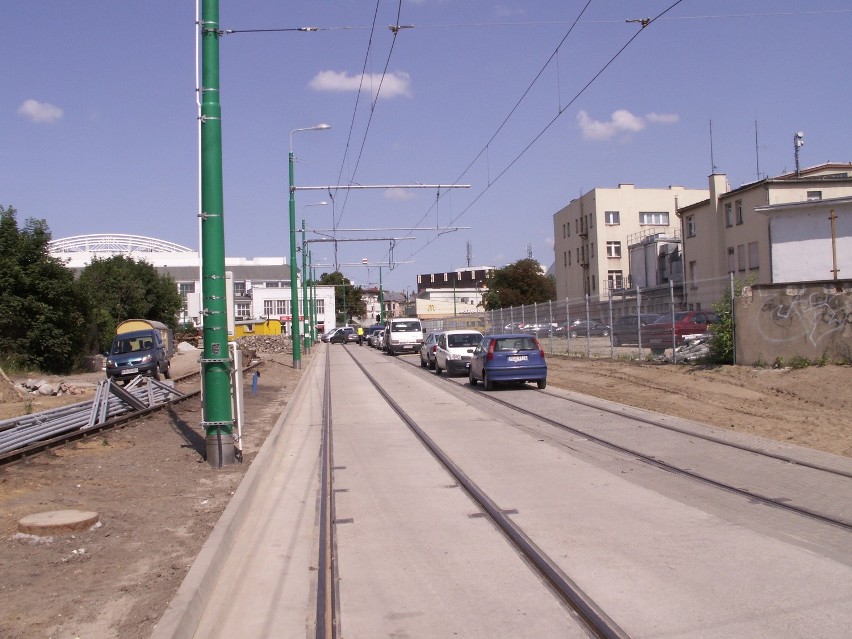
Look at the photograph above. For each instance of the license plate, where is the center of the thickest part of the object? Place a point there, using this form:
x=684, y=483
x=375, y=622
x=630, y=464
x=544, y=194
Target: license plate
x=128, y=371
x=517, y=358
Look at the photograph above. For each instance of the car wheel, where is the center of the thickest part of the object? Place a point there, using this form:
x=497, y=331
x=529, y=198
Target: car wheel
x=616, y=341
x=156, y=373
x=572, y=334
x=432, y=365
x=605, y=333
x=486, y=381
x=422, y=363
x=438, y=369
x=542, y=383
x=168, y=372
x=471, y=379
x=658, y=351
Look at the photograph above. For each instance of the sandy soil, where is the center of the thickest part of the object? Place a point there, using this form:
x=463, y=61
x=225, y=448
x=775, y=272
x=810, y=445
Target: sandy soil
x=158, y=499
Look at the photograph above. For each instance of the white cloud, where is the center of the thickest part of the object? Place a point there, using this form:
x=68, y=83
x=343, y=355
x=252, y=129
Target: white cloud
x=40, y=112
x=400, y=195
x=393, y=85
x=663, y=118
x=621, y=121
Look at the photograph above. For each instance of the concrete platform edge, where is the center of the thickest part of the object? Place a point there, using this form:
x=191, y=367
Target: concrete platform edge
x=183, y=614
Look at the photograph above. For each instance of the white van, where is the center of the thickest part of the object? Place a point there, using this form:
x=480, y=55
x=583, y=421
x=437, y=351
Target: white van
x=403, y=334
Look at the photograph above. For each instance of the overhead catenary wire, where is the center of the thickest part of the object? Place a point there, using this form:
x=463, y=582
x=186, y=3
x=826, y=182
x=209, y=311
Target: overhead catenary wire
x=547, y=126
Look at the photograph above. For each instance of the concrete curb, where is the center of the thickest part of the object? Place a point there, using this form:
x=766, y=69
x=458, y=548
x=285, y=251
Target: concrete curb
x=184, y=611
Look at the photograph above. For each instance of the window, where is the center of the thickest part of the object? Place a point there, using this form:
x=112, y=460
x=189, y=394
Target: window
x=242, y=309
x=656, y=218
x=594, y=287
x=731, y=263
x=753, y=256
x=565, y=258
x=240, y=288
x=186, y=288
x=690, y=226
x=741, y=257
x=612, y=217
x=729, y=215
x=814, y=196
x=564, y=234
x=614, y=279
x=613, y=249
x=276, y=308
x=592, y=250
x=739, y=206
x=568, y=228
x=692, y=280
x=569, y=258
x=320, y=307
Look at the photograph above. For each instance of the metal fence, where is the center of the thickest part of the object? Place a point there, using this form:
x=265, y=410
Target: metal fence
x=614, y=326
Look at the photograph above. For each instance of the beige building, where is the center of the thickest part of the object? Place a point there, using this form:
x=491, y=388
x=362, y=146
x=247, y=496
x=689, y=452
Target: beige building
x=724, y=234
x=592, y=234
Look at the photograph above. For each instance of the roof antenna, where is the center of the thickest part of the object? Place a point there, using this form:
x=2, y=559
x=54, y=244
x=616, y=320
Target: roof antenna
x=798, y=143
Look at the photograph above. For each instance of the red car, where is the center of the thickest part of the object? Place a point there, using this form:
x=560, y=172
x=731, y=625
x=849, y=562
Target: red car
x=659, y=333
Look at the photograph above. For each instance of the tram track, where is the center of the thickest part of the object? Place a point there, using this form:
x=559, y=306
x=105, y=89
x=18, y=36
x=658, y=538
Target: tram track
x=592, y=616
x=781, y=503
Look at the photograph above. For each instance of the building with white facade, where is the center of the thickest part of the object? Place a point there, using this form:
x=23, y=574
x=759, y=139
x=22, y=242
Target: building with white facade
x=260, y=286
x=592, y=235
x=810, y=241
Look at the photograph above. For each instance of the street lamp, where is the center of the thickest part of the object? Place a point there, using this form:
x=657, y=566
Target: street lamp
x=307, y=308
x=294, y=283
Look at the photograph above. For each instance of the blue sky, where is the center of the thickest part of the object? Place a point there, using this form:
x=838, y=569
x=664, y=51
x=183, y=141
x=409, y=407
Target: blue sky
x=98, y=120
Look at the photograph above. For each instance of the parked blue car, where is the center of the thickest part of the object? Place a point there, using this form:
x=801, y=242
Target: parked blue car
x=508, y=358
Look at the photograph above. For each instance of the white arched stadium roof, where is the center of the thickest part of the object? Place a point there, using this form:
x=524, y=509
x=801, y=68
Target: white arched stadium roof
x=114, y=244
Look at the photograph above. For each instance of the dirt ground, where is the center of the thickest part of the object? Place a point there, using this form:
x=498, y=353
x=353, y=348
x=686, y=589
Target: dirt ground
x=158, y=499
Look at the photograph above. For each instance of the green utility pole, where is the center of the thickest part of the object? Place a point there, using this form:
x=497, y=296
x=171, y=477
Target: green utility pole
x=294, y=280
x=215, y=362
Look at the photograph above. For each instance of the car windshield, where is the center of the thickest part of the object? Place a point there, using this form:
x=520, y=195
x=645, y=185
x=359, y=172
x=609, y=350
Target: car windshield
x=405, y=327
x=515, y=344
x=131, y=346
x=457, y=341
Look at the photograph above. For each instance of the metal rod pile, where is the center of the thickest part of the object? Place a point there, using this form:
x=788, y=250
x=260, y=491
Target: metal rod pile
x=19, y=432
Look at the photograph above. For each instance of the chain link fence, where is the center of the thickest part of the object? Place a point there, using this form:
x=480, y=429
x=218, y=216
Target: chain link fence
x=627, y=324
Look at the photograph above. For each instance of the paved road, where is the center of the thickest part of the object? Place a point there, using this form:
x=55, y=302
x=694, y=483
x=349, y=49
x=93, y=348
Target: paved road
x=664, y=556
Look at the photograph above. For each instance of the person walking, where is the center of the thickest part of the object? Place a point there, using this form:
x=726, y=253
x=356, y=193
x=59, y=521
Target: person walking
x=360, y=335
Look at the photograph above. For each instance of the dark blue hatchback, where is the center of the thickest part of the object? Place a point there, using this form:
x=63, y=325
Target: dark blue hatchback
x=508, y=358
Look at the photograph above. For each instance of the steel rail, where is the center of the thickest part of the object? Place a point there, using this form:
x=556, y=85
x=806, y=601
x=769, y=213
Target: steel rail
x=591, y=615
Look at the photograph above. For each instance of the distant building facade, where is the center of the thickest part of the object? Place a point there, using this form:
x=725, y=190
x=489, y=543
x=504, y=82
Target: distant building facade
x=260, y=286
x=593, y=233
x=731, y=231
x=441, y=295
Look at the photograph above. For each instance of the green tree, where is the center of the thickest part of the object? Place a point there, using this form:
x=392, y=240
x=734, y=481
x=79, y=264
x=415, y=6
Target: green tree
x=722, y=345
x=343, y=289
x=42, y=314
x=517, y=284
x=120, y=288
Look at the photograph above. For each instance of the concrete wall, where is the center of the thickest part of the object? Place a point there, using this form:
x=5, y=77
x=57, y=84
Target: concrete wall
x=811, y=320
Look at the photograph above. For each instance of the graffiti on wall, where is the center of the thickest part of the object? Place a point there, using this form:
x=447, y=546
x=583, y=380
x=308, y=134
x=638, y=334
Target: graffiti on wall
x=819, y=316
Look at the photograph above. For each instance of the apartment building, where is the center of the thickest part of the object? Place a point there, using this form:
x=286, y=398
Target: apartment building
x=730, y=231
x=592, y=235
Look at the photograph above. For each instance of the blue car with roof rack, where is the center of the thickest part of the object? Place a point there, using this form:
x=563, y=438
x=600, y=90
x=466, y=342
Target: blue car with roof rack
x=511, y=357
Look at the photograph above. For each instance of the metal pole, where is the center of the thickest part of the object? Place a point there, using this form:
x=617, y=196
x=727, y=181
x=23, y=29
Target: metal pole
x=217, y=417
x=381, y=299
x=674, y=333
x=733, y=326
x=294, y=280
x=305, y=302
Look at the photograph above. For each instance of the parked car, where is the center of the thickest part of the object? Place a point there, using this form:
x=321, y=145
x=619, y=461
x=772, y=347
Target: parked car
x=625, y=330
x=368, y=333
x=344, y=335
x=325, y=337
x=686, y=323
x=377, y=338
x=427, y=350
x=403, y=334
x=454, y=350
x=584, y=328
x=508, y=358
